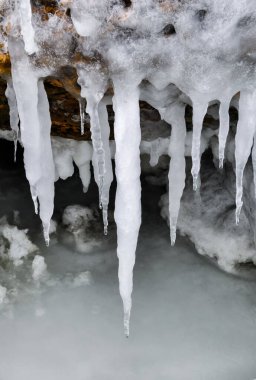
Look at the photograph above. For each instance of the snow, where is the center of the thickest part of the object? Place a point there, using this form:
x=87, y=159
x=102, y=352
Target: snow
x=3, y=292
x=79, y=221
x=15, y=243
x=39, y=268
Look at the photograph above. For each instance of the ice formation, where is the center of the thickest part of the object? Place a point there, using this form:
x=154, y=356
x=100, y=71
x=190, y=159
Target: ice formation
x=169, y=53
x=15, y=243
x=14, y=115
x=39, y=268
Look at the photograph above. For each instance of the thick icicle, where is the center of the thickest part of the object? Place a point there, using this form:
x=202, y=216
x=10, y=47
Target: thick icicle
x=128, y=194
x=244, y=141
x=14, y=115
x=82, y=111
x=35, y=125
x=223, y=129
x=175, y=115
x=27, y=30
x=93, y=86
x=199, y=111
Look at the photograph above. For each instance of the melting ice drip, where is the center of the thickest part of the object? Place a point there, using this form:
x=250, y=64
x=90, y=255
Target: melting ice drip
x=132, y=48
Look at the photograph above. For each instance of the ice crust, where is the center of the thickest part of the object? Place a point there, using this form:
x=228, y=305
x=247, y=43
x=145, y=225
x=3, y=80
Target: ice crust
x=171, y=54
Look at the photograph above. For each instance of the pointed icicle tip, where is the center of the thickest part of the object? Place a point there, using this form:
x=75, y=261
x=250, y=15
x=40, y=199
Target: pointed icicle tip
x=195, y=182
x=46, y=231
x=238, y=211
x=127, y=324
x=173, y=235
x=221, y=162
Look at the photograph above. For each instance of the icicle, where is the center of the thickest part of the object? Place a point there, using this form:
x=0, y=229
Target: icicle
x=199, y=111
x=154, y=152
x=27, y=30
x=254, y=163
x=244, y=141
x=35, y=126
x=93, y=85
x=128, y=194
x=175, y=115
x=223, y=129
x=14, y=115
x=108, y=177
x=82, y=111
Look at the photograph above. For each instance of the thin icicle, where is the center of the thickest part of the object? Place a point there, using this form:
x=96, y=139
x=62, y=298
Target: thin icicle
x=244, y=140
x=27, y=29
x=128, y=194
x=254, y=163
x=223, y=129
x=82, y=111
x=108, y=177
x=175, y=115
x=46, y=183
x=93, y=86
x=199, y=111
x=35, y=125
x=14, y=115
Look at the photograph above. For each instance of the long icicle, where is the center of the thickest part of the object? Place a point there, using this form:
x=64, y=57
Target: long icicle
x=244, y=141
x=254, y=163
x=14, y=115
x=128, y=194
x=223, y=129
x=93, y=85
x=175, y=115
x=108, y=177
x=45, y=186
x=35, y=125
x=199, y=111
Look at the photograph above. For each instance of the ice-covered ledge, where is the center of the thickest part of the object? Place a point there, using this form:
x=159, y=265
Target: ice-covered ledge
x=168, y=53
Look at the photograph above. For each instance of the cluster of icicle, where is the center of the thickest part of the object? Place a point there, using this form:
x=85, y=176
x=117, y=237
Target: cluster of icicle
x=200, y=73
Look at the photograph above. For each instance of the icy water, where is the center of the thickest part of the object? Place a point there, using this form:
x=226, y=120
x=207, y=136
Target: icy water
x=190, y=321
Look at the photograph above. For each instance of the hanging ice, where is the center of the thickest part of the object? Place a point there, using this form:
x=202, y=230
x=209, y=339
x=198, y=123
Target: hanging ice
x=128, y=194
x=35, y=126
x=244, y=140
x=254, y=163
x=14, y=115
x=223, y=129
x=27, y=29
x=199, y=111
x=93, y=86
x=175, y=115
x=82, y=111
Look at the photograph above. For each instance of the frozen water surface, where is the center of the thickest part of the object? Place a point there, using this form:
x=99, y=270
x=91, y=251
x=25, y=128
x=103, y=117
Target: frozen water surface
x=189, y=320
